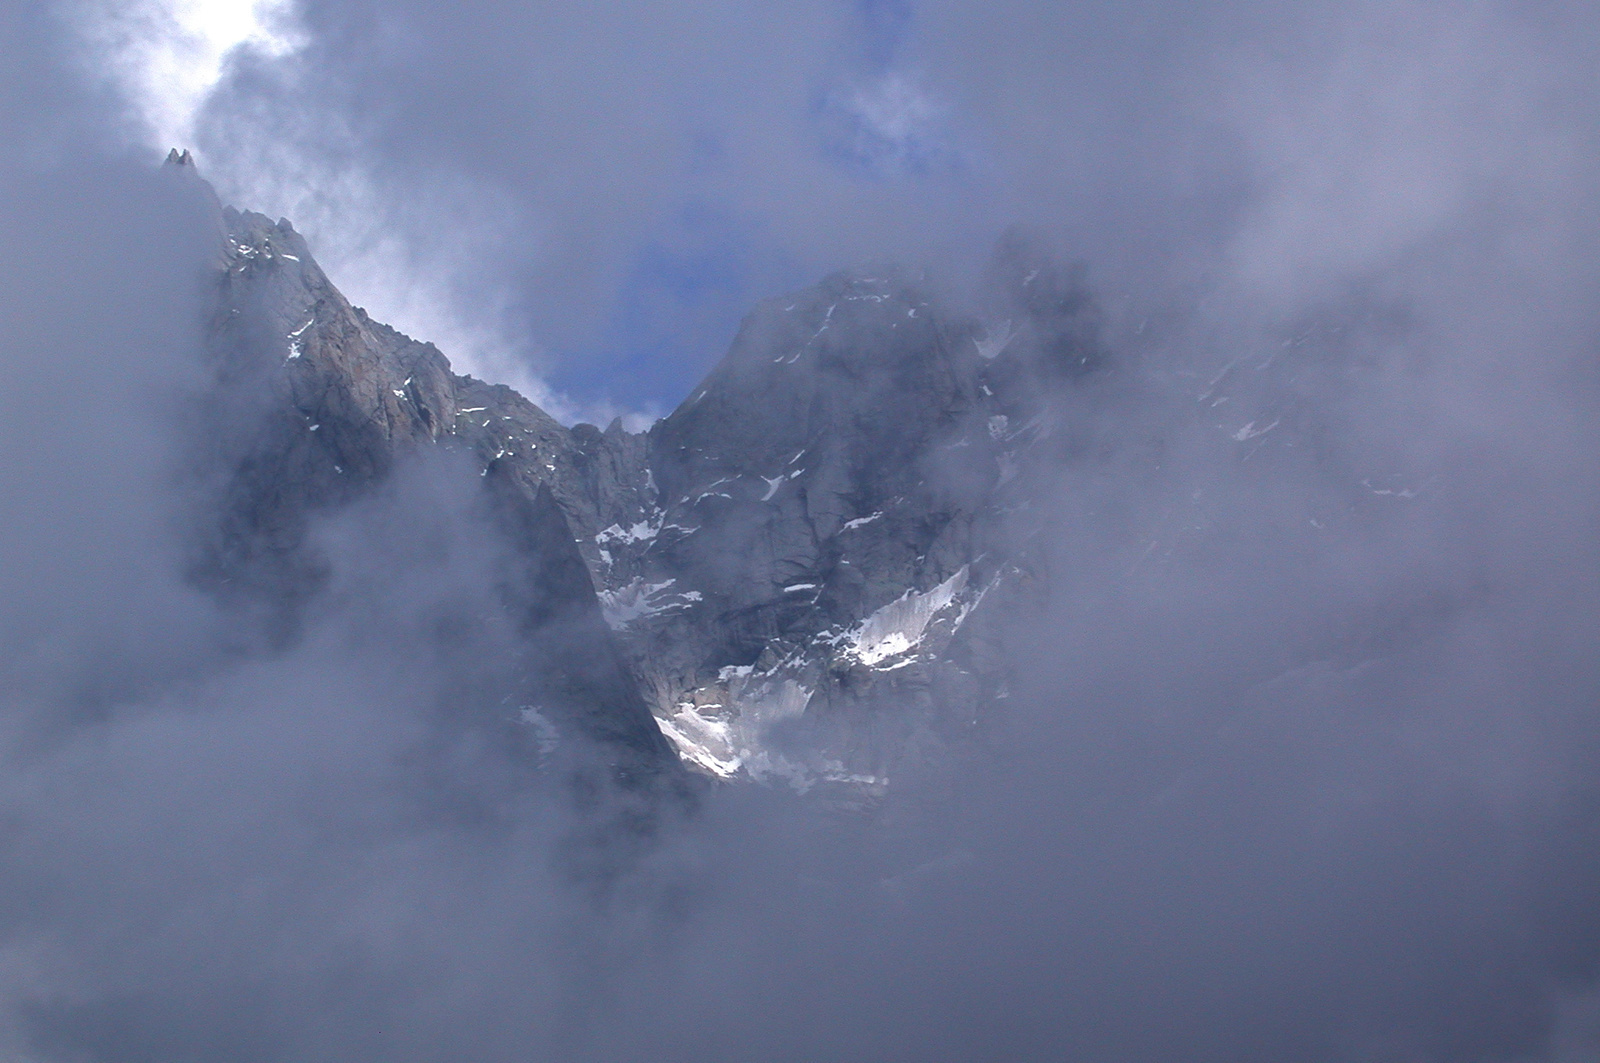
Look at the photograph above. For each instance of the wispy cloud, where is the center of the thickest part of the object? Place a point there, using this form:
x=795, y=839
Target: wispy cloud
x=892, y=125
x=166, y=56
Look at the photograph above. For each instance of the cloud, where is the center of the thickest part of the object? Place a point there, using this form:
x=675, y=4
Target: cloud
x=891, y=125
x=566, y=146
x=167, y=56
x=1297, y=762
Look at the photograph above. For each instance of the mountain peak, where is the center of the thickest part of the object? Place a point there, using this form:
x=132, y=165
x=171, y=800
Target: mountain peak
x=785, y=573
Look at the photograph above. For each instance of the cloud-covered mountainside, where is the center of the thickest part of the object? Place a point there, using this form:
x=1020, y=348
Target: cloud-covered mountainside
x=793, y=566
x=944, y=679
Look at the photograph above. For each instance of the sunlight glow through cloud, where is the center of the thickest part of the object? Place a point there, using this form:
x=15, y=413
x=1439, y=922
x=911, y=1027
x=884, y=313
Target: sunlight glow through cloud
x=166, y=56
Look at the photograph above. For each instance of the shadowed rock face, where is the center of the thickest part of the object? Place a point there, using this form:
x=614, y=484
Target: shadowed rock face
x=788, y=576
x=806, y=596
x=316, y=405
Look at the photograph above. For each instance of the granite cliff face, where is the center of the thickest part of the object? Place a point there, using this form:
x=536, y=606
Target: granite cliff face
x=788, y=577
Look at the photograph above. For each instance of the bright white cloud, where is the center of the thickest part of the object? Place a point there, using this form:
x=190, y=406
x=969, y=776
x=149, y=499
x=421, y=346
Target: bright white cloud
x=166, y=56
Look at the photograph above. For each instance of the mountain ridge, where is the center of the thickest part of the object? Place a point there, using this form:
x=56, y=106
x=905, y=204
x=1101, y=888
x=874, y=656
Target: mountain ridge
x=791, y=567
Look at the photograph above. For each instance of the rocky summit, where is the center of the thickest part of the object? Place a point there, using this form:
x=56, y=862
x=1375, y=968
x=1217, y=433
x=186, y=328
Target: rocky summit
x=793, y=577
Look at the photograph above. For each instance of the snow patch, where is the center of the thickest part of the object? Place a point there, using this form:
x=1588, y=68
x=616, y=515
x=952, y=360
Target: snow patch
x=861, y=522
x=1395, y=492
x=994, y=341
x=1250, y=431
x=695, y=740
x=635, y=534
x=899, y=626
x=710, y=491
x=638, y=599
x=723, y=743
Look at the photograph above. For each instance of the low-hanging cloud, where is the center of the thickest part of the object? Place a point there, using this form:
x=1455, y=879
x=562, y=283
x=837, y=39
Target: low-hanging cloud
x=1297, y=759
x=636, y=177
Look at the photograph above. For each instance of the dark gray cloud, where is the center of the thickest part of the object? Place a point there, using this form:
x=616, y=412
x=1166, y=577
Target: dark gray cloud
x=1300, y=759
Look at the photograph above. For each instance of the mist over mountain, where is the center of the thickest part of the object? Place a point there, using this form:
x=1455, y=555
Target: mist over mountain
x=1115, y=577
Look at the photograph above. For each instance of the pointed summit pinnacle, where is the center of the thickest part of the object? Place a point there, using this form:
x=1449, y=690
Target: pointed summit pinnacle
x=176, y=158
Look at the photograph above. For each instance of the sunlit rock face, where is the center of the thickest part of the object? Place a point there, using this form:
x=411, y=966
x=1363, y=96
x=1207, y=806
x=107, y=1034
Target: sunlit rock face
x=789, y=578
